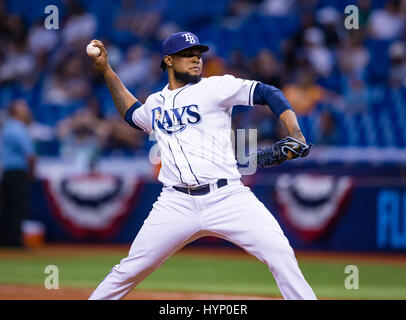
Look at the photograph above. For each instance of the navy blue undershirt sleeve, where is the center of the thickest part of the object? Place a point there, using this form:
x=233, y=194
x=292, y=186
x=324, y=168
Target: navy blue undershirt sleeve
x=273, y=97
x=128, y=117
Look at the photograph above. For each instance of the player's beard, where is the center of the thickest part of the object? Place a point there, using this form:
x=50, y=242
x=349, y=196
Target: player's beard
x=186, y=77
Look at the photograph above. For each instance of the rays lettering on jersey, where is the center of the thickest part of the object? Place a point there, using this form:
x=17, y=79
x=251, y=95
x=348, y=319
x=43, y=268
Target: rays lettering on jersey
x=175, y=120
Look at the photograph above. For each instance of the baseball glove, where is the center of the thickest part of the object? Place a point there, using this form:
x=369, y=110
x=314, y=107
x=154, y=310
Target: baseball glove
x=278, y=152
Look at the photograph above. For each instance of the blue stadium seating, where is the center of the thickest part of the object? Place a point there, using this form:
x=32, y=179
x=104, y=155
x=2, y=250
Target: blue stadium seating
x=382, y=124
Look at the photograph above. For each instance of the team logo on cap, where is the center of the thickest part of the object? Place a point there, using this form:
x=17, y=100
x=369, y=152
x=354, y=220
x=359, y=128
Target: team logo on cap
x=189, y=38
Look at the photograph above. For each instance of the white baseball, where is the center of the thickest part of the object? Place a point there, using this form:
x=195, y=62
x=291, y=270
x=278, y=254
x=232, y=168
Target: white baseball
x=92, y=50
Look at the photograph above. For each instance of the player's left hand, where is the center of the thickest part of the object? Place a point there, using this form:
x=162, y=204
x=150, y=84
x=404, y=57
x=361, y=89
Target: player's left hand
x=282, y=150
x=294, y=148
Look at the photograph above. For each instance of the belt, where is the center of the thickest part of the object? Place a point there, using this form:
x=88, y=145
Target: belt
x=201, y=190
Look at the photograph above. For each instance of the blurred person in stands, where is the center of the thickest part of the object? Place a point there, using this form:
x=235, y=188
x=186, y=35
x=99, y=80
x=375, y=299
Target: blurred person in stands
x=278, y=8
x=66, y=85
x=18, y=162
x=41, y=40
x=214, y=65
x=238, y=10
x=120, y=137
x=88, y=132
x=387, y=23
x=330, y=20
x=19, y=63
x=82, y=135
x=148, y=18
x=125, y=16
x=352, y=56
x=237, y=65
x=364, y=8
x=397, y=71
x=319, y=56
x=266, y=68
x=79, y=26
x=136, y=67
x=292, y=56
x=328, y=133
x=356, y=96
x=304, y=94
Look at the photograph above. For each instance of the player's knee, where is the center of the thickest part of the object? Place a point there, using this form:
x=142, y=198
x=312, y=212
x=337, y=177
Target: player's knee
x=132, y=267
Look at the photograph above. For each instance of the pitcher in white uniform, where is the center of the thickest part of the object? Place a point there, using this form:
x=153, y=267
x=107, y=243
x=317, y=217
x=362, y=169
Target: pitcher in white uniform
x=202, y=194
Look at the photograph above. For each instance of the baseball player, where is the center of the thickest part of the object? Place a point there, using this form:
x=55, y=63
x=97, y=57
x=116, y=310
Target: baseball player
x=202, y=194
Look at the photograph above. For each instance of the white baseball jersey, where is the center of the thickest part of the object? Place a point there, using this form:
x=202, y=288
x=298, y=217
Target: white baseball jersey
x=192, y=125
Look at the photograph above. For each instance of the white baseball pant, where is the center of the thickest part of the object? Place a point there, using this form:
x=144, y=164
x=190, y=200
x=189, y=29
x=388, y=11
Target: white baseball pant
x=232, y=213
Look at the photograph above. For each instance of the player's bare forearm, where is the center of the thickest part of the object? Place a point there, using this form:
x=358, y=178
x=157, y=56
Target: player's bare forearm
x=122, y=98
x=289, y=120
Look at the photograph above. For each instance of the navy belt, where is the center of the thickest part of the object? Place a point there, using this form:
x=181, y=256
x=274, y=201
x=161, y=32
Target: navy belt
x=201, y=190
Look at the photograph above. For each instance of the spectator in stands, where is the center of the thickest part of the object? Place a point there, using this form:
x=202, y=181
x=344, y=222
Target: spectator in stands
x=82, y=135
x=387, y=23
x=292, y=55
x=121, y=137
x=304, y=94
x=240, y=9
x=267, y=68
x=319, y=56
x=307, y=21
x=328, y=133
x=80, y=25
x=16, y=28
x=136, y=67
x=87, y=132
x=213, y=64
x=125, y=16
x=41, y=40
x=32, y=56
x=352, y=56
x=355, y=95
x=149, y=16
x=397, y=72
x=4, y=34
x=40, y=44
x=306, y=5
x=329, y=19
x=18, y=161
x=237, y=65
x=68, y=84
x=278, y=8
x=18, y=63
x=364, y=9
x=268, y=127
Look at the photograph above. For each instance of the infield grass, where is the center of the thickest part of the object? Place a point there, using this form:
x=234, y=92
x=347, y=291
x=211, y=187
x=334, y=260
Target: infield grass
x=211, y=274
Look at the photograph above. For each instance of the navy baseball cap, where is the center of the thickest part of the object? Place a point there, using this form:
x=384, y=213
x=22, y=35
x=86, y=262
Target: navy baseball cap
x=180, y=41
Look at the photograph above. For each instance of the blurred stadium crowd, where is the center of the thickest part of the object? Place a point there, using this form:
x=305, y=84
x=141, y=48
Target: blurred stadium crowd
x=348, y=87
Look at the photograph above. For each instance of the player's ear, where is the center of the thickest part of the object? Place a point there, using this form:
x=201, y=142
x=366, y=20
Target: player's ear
x=169, y=61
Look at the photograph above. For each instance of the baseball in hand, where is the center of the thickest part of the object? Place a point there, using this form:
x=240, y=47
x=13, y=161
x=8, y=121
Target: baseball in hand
x=92, y=50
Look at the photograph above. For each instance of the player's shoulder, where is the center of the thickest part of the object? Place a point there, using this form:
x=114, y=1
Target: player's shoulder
x=216, y=79
x=153, y=99
x=225, y=80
